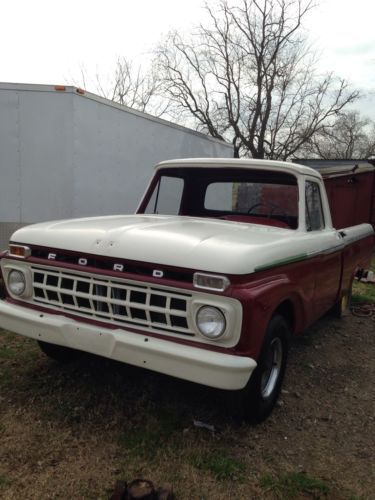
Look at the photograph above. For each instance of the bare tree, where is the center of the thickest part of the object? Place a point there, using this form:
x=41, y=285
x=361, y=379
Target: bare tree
x=351, y=136
x=248, y=76
x=130, y=86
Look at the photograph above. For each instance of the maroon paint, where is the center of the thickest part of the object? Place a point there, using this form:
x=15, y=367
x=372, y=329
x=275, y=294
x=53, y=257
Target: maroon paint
x=148, y=280
x=265, y=292
x=351, y=198
x=103, y=258
x=260, y=293
x=356, y=256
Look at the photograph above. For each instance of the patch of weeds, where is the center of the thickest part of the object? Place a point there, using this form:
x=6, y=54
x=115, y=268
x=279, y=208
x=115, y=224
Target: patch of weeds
x=306, y=339
x=87, y=491
x=169, y=420
x=64, y=409
x=4, y=481
x=269, y=458
x=158, y=435
x=7, y=336
x=366, y=296
x=6, y=378
x=220, y=464
x=7, y=352
x=293, y=484
x=142, y=441
x=364, y=293
x=306, y=367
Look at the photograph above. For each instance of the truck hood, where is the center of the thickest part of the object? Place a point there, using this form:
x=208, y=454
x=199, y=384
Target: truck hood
x=196, y=243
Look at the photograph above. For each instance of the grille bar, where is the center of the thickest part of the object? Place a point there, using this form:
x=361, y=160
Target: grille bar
x=116, y=301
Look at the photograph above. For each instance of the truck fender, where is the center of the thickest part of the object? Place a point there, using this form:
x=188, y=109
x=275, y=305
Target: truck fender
x=275, y=296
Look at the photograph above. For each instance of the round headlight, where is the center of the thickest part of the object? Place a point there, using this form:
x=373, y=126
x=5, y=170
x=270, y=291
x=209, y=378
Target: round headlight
x=16, y=282
x=210, y=322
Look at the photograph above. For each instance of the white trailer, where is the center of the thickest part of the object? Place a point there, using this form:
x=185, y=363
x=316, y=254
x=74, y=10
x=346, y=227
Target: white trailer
x=68, y=153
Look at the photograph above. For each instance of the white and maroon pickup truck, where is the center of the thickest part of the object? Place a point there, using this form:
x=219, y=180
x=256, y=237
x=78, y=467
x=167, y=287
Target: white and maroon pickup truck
x=223, y=262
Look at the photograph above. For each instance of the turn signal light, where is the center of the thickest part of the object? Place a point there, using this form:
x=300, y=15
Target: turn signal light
x=19, y=251
x=210, y=282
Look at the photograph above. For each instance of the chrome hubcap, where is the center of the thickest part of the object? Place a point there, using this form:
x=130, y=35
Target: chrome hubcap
x=272, y=368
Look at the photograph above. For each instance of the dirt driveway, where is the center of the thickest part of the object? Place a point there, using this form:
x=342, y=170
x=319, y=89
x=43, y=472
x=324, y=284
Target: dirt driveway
x=71, y=431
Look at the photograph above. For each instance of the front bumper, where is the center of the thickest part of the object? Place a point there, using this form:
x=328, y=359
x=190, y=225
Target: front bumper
x=214, y=369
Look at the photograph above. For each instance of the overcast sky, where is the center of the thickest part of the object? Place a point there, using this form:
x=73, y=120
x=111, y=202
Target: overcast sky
x=44, y=41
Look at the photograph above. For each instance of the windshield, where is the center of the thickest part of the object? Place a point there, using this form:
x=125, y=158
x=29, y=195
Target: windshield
x=242, y=195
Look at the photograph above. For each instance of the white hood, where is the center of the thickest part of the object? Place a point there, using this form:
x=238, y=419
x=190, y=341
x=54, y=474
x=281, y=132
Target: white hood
x=206, y=244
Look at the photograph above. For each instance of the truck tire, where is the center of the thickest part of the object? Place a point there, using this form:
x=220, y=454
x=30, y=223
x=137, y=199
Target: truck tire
x=59, y=352
x=259, y=396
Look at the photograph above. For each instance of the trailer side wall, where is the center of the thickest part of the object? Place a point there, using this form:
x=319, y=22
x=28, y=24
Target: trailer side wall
x=65, y=155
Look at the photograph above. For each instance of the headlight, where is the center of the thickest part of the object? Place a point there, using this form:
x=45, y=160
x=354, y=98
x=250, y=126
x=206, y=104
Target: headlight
x=210, y=322
x=16, y=282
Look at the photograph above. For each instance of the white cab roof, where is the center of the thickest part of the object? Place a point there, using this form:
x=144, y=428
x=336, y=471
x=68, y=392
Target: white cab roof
x=280, y=166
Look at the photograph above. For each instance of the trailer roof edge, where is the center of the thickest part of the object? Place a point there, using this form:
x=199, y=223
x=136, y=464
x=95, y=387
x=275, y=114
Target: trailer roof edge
x=35, y=87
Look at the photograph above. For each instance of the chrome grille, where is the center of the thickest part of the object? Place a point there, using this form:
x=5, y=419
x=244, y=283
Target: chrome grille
x=112, y=300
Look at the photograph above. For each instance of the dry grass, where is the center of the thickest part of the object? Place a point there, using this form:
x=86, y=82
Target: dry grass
x=364, y=293
x=71, y=431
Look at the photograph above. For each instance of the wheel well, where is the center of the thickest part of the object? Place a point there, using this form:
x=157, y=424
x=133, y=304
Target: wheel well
x=286, y=309
x=2, y=287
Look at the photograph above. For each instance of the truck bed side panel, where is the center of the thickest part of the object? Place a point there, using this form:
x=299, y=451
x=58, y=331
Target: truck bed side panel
x=351, y=198
x=357, y=254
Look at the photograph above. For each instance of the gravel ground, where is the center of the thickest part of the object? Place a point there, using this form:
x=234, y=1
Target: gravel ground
x=72, y=431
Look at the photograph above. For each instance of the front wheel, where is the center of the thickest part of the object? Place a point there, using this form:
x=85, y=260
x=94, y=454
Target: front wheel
x=59, y=352
x=259, y=396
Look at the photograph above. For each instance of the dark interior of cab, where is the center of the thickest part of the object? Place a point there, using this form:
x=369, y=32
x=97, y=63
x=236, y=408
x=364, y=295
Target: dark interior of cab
x=234, y=194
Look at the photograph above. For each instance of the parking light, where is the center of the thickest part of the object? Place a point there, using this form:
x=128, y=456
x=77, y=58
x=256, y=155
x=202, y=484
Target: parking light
x=210, y=282
x=19, y=251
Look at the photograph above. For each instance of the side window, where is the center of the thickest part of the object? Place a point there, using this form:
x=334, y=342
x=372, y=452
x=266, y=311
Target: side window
x=166, y=198
x=314, y=209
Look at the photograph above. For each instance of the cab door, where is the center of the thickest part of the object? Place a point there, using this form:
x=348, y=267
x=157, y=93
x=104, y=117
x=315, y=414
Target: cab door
x=326, y=251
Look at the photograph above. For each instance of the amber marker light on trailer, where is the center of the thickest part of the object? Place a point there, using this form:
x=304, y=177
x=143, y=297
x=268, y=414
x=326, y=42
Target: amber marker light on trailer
x=210, y=282
x=19, y=251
